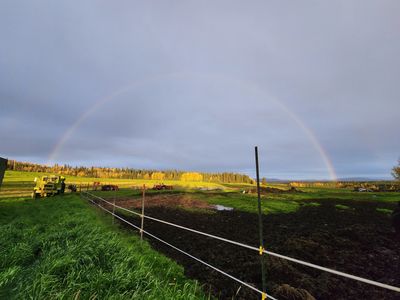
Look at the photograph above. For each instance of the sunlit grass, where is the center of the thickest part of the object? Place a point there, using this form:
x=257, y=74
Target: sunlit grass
x=384, y=210
x=61, y=248
x=271, y=202
x=17, y=183
x=342, y=207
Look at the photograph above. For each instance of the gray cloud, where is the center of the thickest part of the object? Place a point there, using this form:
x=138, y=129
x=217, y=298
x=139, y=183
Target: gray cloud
x=203, y=83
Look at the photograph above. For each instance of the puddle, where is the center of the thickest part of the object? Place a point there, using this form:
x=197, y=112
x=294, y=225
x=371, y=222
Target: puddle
x=221, y=207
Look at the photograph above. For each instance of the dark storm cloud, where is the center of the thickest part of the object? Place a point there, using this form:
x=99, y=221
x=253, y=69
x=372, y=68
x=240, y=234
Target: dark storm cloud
x=201, y=83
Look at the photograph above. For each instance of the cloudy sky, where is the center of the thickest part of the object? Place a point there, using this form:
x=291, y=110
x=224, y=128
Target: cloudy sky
x=195, y=85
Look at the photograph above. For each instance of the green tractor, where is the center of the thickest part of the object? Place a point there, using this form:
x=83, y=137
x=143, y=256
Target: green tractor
x=48, y=186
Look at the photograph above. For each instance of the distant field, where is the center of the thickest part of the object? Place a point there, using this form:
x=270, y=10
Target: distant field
x=20, y=184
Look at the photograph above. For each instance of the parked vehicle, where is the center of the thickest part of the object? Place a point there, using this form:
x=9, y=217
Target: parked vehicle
x=48, y=186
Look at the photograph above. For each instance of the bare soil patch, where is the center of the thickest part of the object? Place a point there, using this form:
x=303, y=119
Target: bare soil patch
x=359, y=241
x=175, y=201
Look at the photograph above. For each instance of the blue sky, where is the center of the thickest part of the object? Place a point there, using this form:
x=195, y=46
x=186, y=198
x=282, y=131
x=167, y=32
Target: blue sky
x=195, y=85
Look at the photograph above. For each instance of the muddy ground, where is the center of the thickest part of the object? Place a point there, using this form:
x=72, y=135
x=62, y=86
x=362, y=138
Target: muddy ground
x=358, y=240
x=165, y=200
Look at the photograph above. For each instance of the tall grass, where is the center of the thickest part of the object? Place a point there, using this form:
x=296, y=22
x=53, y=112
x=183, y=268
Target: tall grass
x=61, y=248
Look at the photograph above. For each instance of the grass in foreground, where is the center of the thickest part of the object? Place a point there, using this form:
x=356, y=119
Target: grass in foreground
x=62, y=248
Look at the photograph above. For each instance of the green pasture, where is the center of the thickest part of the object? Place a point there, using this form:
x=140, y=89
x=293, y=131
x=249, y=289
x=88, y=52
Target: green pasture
x=285, y=202
x=62, y=248
x=20, y=184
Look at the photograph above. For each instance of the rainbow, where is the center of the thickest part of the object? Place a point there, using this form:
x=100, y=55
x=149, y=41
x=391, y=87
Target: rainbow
x=215, y=77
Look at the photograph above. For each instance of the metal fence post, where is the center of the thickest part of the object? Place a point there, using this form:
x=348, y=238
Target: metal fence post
x=142, y=216
x=260, y=224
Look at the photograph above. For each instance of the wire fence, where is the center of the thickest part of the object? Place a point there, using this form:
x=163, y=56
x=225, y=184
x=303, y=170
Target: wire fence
x=92, y=198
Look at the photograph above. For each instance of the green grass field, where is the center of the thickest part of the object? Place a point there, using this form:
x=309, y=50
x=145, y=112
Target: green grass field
x=20, y=184
x=272, y=202
x=61, y=248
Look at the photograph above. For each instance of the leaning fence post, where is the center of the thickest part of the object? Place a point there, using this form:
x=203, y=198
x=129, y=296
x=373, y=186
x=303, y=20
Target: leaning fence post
x=260, y=225
x=142, y=216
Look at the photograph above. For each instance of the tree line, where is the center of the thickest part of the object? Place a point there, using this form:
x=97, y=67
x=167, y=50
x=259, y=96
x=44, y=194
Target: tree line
x=129, y=173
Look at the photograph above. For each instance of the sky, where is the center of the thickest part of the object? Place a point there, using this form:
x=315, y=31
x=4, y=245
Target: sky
x=195, y=85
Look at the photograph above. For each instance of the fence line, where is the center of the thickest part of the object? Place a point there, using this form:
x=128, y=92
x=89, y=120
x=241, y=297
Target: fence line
x=304, y=263
x=264, y=295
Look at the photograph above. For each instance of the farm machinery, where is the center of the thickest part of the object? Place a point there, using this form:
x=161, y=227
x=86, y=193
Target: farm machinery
x=162, y=187
x=109, y=187
x=48, y=186
x=104, y=187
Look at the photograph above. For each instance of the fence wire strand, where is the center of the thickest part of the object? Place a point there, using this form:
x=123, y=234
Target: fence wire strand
x=181, y=251
x=298, y=261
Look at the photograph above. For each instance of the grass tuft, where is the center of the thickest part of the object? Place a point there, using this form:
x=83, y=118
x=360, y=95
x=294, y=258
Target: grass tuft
x=384, y=210
x=342, y=207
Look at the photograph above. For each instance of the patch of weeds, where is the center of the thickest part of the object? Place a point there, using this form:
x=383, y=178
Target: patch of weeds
x=342, y=207
x=384, y=210
x=315, y=204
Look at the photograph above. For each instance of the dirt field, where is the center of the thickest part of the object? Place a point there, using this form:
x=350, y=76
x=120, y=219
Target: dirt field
x=357, y=240
x=177, y=201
